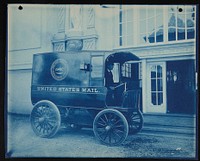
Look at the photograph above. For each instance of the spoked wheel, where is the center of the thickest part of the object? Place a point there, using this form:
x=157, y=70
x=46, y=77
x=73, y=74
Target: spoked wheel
x=110, y=127
x=45, y=119
x=135, y=122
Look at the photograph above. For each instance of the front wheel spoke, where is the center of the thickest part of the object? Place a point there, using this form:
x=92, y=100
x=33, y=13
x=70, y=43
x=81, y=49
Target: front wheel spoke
x=103, y=120
x=111, y=116
x=109, y=135
x=117, y=126
x=106, y=117
x=101, y=124
x=101, y=134
x=118, y=131
x=114, y=138
x=116, y=134
x=100, y=128
x=117, y=122
x=106, y=135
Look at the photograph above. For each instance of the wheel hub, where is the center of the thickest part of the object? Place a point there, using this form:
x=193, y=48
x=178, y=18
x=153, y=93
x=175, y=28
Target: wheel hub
x=108, y=128
x=42, y=119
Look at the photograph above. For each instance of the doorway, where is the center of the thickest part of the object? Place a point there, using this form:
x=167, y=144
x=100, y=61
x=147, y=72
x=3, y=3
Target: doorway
x=181, y=87
x=156, y=88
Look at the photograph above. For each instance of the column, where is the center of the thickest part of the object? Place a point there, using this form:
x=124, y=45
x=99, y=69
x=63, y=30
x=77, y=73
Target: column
x=144, y=84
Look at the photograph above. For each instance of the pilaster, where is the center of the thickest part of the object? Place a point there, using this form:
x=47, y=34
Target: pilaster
x=80, y=34
x=144, y=88
x=58, y=40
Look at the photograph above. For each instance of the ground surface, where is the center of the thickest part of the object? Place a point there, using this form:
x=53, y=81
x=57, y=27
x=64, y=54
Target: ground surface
x=22, y=142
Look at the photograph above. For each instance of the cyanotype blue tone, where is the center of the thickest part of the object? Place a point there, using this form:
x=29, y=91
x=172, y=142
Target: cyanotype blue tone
x=101, y=81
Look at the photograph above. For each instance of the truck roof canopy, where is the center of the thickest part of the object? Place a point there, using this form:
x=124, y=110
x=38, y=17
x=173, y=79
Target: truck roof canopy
x=121, y=57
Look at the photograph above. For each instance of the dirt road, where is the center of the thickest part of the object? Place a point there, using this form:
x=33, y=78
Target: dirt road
x=22, y=142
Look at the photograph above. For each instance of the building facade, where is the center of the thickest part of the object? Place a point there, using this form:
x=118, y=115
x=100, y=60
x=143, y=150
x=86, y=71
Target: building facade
x=163, y=36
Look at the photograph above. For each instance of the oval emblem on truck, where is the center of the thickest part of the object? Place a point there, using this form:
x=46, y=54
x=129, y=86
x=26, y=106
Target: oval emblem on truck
x=59, y=69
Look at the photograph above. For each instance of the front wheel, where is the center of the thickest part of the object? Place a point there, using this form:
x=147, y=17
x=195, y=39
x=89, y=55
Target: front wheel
x=45, y=119
x=110, y=127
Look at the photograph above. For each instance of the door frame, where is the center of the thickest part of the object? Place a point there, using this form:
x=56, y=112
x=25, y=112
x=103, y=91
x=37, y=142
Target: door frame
x=150, y=108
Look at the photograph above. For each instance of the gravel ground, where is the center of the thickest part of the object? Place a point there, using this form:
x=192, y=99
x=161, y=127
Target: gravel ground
x=22, y=142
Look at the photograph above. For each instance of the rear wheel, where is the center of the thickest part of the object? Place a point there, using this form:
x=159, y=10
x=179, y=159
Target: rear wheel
x=110, y=127
x=45, y=119
x=135, y=122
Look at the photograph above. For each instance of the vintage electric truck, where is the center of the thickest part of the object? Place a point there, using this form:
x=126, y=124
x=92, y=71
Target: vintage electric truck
x=69, y=88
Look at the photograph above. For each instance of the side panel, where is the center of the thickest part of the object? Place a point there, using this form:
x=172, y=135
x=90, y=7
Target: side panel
x=61, y=78
x=70, y=96
x=60, y=69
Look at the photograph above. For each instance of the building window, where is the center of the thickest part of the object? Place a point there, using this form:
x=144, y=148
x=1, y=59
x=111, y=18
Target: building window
x=181, y=24
x=151, y=24
x=125, y=25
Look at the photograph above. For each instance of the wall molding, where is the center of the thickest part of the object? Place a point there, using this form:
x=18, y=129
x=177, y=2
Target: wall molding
x=181, y=49
x=20, y=66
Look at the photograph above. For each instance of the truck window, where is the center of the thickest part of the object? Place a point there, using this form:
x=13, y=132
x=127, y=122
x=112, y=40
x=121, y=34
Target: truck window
x=116, y=72
x=97, y=67
x=126, y=70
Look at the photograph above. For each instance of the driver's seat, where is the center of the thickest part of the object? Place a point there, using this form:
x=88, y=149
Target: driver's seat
x=118, y=96
x=131, y=99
